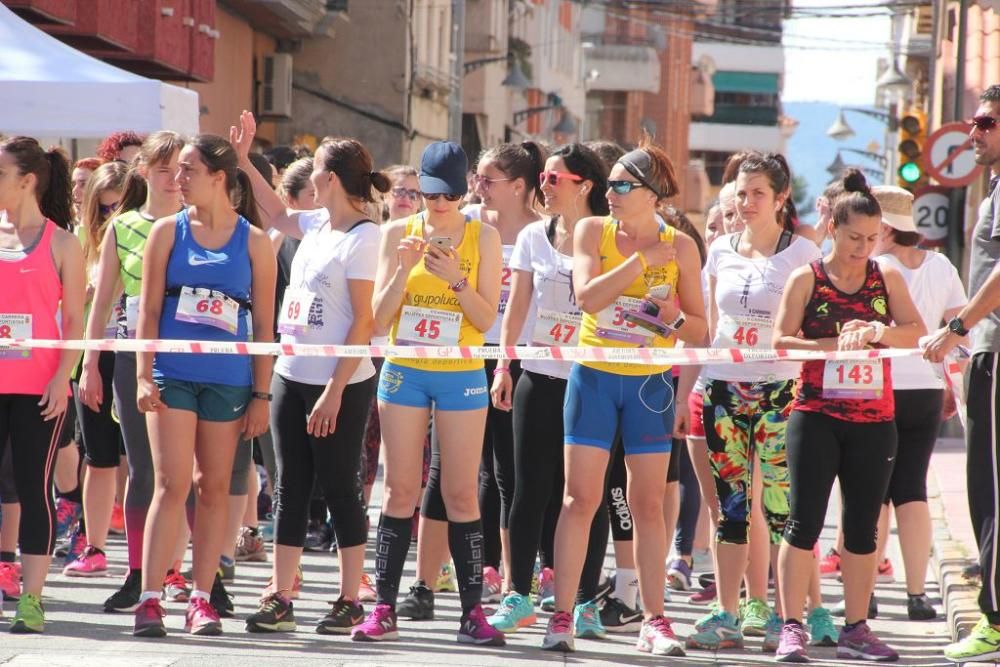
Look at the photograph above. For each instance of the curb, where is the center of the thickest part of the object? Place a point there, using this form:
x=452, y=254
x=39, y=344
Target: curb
x=948, y=558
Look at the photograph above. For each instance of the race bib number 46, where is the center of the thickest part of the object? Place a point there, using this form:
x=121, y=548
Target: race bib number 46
x=15, y=325
x=203, y=306
x=853, y=378
x=428, y=326
x=555, y=329
x=611, y=323
x=745, y=331
x=294, y=316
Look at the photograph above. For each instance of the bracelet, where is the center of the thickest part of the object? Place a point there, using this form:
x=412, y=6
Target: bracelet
x=879, y=331
x=642, y=260
x=262, y=395
x=500, y=370
x=460, y=285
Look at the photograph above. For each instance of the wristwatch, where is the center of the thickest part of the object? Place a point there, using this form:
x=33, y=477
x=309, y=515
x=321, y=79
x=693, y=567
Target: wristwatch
x=678, y=321
x=956, y=326
x=262, y=395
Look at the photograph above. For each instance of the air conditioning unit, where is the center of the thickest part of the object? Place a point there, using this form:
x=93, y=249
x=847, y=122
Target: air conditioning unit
x=274, y=97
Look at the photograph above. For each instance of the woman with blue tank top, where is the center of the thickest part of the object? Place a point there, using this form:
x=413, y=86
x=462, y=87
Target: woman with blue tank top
x=201, y=269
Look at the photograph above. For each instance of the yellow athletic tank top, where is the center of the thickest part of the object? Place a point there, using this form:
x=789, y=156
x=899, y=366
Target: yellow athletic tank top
x=431, y=314
x=608, y=328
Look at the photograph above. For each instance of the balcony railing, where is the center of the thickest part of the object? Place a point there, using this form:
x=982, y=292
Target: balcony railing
x=282, y=18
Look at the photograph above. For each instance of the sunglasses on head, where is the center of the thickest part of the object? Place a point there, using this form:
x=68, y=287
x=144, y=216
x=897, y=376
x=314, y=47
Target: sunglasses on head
x=406, y=192
x=107, y=209
x=436, y=196
x=554, y=178
x=984, y=123
x=624, y=187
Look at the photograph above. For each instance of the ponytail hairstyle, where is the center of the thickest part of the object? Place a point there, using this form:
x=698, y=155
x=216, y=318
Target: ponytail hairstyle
x=856, y=200
x=353, y=165
x=53, y=185
x=219, y=155
x=588, y=165
x=683, y=224
x=775, y=168
x=295, y=178
x=525, y=160
x=732, y=167
x=109, y=176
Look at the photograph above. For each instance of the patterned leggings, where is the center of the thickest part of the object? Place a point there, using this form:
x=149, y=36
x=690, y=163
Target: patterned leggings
x=745, y=420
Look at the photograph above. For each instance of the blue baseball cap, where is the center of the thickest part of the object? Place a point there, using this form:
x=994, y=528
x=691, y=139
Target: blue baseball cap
x=443, y=167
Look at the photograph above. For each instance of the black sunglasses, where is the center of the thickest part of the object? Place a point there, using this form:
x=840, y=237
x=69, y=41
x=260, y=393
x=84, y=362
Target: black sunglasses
x=406, y=192
x=437, y=195
x=107, y=209
x=624, y=187
x=984, y=123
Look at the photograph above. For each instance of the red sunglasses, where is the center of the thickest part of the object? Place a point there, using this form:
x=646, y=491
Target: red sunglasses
x=983, y=123
x=553, y=178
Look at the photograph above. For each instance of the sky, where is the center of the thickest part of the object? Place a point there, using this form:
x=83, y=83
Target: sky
x=840, y=62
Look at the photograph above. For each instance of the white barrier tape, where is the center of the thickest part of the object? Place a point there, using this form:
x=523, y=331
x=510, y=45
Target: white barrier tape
x=661, y=356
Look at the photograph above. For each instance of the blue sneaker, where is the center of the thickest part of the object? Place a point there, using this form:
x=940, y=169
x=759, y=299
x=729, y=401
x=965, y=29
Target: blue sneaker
x=718, y=630
x=772, y=635
x=822, y=631
x=515, y=612
x=76, y=544
x=548, y=603
x=587, y=621
x=67, y=514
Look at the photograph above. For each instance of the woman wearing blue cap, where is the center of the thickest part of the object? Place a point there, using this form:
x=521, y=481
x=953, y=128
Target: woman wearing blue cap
x=438, y=284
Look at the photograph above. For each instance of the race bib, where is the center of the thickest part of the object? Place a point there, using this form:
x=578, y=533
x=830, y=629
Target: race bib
x=294, y=316
x=611, y=323
x=205, y=306
x=15, y=325
x=131, y=315
x=428, y=326
x=853, y=378
x=506, y=275
x=111, y=328
x=556, y=329
x=745, y=331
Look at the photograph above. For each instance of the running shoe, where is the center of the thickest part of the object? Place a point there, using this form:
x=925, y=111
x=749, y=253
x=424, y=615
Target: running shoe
x=492, y=584
x=535, y=583
x=366, y=591
x=379, y=625
x=706, y=595
x=227, y=571
x=475, y=629
x=721, y=630
x=296, y=585
x=515, y=612
x=220, y=599
x=713, y=608
x=318, y=536
x=618, y=617
x=587, y=622
x=658, y=638
x=117, y=525
x=546, y=584
x=919, y=608
x=679, y=575
x=342, y=618
x=840, y=608
x=202, y=619
x=981, y=645
x=419, y=604
x=10, y=581
x=274, y=614
x=149, y=619
x=77, y=543
x=885, y=574
x=30, y=615
x=772, y=638
x=860, y=643
x=559, y=633
x=175, y=587
x=91, y=563
x=605, y=587
x=67, y=514
x=755, y=614
x=829, y=565
x=127, y=597
x=445, y=582
x=822, y=631
x=250, y=546
x=548, y=603
x=792, y=645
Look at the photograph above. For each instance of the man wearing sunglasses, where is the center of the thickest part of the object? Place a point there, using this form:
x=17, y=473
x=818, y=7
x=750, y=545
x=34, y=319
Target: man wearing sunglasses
x=983, y=449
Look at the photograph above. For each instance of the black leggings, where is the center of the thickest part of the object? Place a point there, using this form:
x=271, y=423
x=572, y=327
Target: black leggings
x=616, y=490
x=33, y=443
x=539, y=479
x=690, y=500
x=918, y=418
x=860, y=455
x=8, y=487
x=336, y=458
x=100, y=433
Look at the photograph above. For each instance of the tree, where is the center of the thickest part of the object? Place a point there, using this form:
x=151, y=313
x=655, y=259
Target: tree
x=800, y=192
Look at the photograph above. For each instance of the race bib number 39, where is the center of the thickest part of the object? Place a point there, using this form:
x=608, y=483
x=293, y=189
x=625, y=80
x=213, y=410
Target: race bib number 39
x=15, y=325
x=294, y=316
x=745, y=331
x=853, y=378
x=428, y=326
x=202, y=306
x=611, y=323
x=555, y=329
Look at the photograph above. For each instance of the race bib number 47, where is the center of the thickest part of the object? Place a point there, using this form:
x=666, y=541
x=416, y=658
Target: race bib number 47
x=15, y=325
x=853, y=378
x=556, y=329
x=428, y=326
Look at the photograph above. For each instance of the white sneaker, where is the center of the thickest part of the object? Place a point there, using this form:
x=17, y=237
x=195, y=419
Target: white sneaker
x=657, y=637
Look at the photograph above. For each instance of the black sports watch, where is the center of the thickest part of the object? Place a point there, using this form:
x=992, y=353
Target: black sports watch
x=956, y=326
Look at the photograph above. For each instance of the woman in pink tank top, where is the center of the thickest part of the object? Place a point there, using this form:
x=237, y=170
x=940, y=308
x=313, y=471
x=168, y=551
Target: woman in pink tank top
x=41, y=270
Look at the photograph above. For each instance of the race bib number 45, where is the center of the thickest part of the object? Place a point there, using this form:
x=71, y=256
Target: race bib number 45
x=203, y=306
x=428, y=326
x=853, y=378
x=15, y=325
x=611, y=323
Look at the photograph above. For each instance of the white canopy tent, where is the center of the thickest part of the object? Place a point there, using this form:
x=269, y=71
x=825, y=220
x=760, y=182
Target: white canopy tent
x=49, y=89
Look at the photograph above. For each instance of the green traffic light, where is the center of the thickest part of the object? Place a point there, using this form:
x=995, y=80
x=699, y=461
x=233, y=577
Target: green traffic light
x=910, y=172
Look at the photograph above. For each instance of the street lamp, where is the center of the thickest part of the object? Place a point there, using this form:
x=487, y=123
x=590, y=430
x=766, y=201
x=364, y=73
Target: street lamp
x=840, y=130
x=515, y=78
x=566, y=125
x=893, y=80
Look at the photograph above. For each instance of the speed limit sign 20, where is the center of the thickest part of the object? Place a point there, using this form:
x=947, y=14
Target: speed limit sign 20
x=930, y=214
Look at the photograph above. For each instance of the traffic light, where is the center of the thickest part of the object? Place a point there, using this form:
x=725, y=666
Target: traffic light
x=912, y=137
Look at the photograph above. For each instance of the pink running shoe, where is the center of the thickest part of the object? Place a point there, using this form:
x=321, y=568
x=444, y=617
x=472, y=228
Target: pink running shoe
x=91, y=563
x=380, y=625
x=10, y=581
x=149, y=619
x=475, y=629
x=175, y=587
x=546, y=583
x=366, y=592
x=706, y=595
x=492, y=584
x=657, y=637
x=201, y=618
x=829, y=565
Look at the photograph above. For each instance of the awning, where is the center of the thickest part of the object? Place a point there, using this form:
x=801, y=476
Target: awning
x=746, y=82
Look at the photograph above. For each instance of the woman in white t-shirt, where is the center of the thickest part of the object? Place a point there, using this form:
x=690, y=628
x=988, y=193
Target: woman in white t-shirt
x=938, y=293
x=746, y=405
x=320, y=403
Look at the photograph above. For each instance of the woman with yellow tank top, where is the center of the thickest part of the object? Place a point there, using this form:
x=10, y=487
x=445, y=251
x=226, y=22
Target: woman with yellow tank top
x=438, y=284
x=619, y=262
